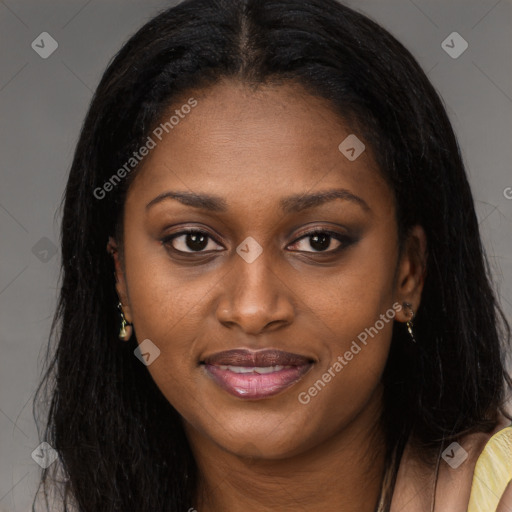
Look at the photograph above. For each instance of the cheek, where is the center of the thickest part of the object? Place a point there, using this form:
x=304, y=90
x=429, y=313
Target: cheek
x=354, y=294
x=347, y=379
x=354, y=318
x=168, y=308
x=163, y=297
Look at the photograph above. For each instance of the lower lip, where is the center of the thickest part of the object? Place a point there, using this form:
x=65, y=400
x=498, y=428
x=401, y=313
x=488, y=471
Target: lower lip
x=256, y=386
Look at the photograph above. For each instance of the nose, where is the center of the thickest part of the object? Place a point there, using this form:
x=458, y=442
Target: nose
x=255, y=298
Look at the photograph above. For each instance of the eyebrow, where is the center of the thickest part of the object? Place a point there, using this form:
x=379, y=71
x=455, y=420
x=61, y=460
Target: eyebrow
x=291, y=204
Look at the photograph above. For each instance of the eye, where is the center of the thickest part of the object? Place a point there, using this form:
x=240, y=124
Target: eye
x=321, y=240
x=190, y=241
x=198, y=241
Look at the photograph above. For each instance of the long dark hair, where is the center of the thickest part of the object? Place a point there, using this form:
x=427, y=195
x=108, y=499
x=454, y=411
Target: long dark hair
x=121, y=445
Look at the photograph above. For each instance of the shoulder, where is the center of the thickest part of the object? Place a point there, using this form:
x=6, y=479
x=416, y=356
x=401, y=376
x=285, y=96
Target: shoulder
x=491, y=486
x=466, y=469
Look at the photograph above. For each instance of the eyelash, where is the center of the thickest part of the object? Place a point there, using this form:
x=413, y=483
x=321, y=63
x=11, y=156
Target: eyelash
x=344, y=240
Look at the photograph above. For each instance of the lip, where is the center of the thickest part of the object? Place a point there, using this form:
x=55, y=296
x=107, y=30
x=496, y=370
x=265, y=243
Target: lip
x=256, y=374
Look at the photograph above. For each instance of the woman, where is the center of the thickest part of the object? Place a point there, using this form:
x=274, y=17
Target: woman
x=267, y=204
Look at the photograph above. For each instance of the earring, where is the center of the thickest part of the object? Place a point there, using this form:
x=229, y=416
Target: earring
x=409, y=322
x=125, y=332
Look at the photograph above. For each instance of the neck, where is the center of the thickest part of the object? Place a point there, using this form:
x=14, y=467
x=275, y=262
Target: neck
x=343, y=473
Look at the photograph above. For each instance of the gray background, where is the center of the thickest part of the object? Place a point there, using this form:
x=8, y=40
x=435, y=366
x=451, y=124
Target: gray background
x=43, y=103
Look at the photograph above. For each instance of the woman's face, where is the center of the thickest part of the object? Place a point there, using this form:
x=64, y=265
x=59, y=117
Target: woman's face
x=218, y=304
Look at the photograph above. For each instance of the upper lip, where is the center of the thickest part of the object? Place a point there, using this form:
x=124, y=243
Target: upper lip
x=260, y=358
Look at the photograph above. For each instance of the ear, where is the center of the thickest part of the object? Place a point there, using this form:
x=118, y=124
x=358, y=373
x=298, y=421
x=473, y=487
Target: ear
x=122, y=290
x=411, y=272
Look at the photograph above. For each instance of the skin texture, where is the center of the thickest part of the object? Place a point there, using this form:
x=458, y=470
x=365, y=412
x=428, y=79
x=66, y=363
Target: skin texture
x=415, y=484
x=253, y=148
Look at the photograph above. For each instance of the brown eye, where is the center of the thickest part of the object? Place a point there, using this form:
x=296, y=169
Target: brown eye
x=321, y=241
x=191, y=241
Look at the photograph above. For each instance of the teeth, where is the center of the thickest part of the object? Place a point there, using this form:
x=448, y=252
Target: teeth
x=253, y=369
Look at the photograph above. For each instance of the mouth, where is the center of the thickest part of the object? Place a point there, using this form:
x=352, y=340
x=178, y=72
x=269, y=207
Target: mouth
x=256, y=375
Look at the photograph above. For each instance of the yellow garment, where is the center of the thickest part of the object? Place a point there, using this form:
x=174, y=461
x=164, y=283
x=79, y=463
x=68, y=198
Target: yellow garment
x=493, y=472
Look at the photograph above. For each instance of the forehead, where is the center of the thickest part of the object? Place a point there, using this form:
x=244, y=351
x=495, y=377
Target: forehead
x=255, y=146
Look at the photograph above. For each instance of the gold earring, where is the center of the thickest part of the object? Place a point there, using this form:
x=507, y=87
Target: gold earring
x=125, y=332
x=409, y=322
